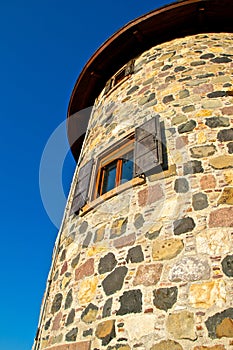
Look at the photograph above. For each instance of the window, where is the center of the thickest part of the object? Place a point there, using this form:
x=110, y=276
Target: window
x=120, y=76
x=115, y=168
x=141, y=153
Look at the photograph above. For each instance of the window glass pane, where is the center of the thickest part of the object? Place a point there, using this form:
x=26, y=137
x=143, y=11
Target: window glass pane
x=127, y=167
x=109, y=179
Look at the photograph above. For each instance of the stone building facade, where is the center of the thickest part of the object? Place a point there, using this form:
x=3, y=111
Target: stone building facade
x=148, y=264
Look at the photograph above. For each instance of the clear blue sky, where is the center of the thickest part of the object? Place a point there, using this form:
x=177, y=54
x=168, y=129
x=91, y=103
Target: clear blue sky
x=44, y=45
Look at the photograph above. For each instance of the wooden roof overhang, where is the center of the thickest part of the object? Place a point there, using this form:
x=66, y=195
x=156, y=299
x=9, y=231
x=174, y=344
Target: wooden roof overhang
x=172, y=21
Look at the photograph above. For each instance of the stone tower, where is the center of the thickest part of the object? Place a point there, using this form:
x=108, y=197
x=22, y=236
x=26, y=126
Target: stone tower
x=144, y=257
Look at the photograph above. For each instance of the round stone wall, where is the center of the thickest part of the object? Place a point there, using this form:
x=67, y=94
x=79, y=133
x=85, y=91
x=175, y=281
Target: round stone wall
x=151, y=267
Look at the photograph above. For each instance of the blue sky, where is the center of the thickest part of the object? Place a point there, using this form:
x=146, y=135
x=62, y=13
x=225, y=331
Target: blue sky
x=44, y=45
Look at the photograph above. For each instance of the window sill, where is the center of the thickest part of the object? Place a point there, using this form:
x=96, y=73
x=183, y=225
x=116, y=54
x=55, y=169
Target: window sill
x=114, y=192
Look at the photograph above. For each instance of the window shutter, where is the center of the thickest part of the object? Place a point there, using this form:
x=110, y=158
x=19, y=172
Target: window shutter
x=129, y=69
x=108, y=86
x=82, y=187
x=148, y=146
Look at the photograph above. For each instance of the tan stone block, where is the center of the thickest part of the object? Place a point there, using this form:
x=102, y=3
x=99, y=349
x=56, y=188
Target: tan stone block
x=96, y=250
x=222, y=162
x=226, y=196
x=104, y=328
x=65, y=282
x=201, y=137
x=225, y=328
x=204, y=295
x=228, y=174
x=148, y=275
x=167, y=345
x=87, y=290
x=167, y=173
x=166, y=249
x=216, y=49
x=215, y=347
x=204, y=113
x=208, y=181
x=182, y=325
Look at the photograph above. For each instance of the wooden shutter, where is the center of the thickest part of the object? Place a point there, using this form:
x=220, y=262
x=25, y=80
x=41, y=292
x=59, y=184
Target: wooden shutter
x=129, y=67
x=82, y=187
x=148, y=146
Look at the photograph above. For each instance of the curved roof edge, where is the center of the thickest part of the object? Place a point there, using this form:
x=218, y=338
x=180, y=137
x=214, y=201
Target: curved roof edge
x=172, y=21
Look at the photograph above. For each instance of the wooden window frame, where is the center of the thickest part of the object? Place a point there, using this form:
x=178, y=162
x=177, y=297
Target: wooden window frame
x=110, y=155
x=114, y=82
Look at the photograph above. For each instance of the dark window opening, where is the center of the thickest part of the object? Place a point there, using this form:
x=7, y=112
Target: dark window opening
x=115, y=173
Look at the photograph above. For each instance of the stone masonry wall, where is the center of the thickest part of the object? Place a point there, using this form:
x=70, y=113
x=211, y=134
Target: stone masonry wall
x=152, y=268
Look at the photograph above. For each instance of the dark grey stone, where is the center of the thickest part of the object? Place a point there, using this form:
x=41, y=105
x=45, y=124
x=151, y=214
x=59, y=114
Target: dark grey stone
x=75, y=261
x=70, y=317
x=206, y=56
x=132, y=89
x=151, y=97
x=227, y=265
x=225, y=135
x=168, y=98
x=135, y=255
x=216, y=122
x=193, y=167
x=63, y=255
x=165, y=298
x=88, y=332
x=56, y=275
x=230, y=147
x=56, y=305
x=69, y=299
x=185, y=79
x=215, y=94
x=221, y=60
x=107, y=308
x=186, y=127
x=153, y=235
x=72, y=335
x=87, y=240
x=138, y=220
x=179, y=69
x=114, y=281
x=213, y=321
x=197, y=63
x=181, y=185
x=120, y=346
x=130, y=302
x=83, y=227
x=183, y=225
x=199, y=201
x=166, y=67
x=107, y=263
x=170, y=78
x=207, y=75
x=47, y=324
